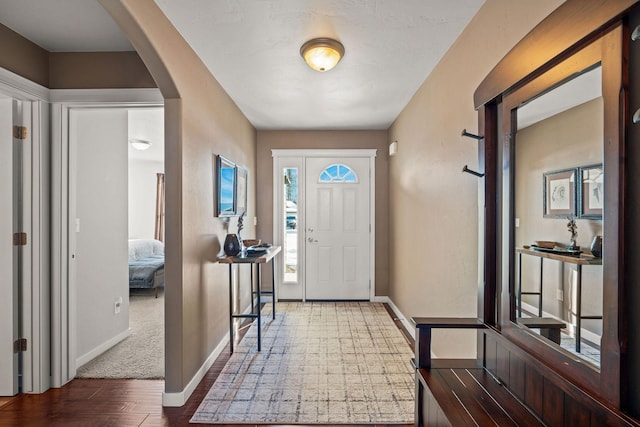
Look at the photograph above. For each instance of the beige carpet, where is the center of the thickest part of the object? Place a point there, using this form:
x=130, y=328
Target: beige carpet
x=327, y=363
x=141, y=354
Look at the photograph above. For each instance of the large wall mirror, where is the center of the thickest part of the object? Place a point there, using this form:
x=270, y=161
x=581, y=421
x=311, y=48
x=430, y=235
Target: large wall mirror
x=558, y=183
x=560, y=198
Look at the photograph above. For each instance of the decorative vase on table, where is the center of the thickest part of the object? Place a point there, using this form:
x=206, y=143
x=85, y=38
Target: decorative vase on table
x=232, y=246
x=596, y=247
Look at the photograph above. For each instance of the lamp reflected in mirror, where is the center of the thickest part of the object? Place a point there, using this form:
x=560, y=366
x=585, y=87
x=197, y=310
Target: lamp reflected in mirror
x=140, y=144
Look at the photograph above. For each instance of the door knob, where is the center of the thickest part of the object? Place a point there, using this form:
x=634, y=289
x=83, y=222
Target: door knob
x=312, y=240
x=311, y=229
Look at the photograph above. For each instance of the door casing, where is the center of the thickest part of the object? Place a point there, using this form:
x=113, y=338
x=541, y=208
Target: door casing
x=30, y=109
x=283, y=158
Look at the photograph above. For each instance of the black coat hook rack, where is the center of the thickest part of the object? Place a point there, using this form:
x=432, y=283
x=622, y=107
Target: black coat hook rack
x=472, y=172
x=471, y=135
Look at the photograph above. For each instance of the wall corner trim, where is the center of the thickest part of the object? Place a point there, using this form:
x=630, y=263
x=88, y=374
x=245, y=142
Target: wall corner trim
x=180, y=398
x=19, y=87
x=128, y=96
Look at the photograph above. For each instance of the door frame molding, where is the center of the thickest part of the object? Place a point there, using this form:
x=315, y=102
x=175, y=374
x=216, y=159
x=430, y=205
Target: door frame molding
x=63, y=339
x=35, y=221
x=51, y=362
x=278, y=182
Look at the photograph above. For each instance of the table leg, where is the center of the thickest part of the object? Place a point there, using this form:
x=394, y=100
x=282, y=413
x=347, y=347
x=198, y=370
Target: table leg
x=540, y=304
x=423, y=348
x=552, y=334
x=273, y=288
x=231, y=307
x=519, y=285
x=259, y=307
x=578, y=306
x=251, y=293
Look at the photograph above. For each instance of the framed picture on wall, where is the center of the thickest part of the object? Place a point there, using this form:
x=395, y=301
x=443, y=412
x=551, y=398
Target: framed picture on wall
x=559, y=193
x=241, y=191
x=225, y=194
x=591, y=201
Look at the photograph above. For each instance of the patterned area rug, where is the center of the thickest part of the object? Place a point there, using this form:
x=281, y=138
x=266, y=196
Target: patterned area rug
x=328, y=363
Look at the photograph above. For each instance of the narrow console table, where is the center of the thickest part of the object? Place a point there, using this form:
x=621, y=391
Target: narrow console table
x=257, y=261
x=578, y=261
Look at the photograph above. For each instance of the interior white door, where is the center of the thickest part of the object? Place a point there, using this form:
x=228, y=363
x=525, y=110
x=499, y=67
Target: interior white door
x=338, y=228
x=8, y=260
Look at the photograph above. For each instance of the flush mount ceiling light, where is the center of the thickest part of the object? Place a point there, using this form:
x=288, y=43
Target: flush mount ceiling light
x=322, y=54
x=140, y=144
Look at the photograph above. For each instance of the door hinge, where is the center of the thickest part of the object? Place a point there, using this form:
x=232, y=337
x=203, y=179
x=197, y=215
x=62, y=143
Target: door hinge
x=20, y=345
x=20, y=132
x=19, y=239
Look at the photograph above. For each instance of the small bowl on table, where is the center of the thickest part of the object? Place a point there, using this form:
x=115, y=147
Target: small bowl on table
x=251, y=242
x=545, y=244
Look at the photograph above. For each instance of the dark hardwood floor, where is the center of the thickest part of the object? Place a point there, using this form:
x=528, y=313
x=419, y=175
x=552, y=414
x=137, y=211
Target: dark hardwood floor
x=109, y=402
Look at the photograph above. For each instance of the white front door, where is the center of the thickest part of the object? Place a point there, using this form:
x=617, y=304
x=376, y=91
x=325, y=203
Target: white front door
x=8, y=253
x=337, y=228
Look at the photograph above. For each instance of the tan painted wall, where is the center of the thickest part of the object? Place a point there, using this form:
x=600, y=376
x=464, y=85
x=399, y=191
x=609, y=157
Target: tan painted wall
x=200, y=121
x=71, y=70
x=23, y=57
x=268, y=140
x=433, y=205
x=104, y=70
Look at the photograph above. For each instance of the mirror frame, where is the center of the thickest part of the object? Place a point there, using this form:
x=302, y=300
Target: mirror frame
x=600, y=51
x=579, y=34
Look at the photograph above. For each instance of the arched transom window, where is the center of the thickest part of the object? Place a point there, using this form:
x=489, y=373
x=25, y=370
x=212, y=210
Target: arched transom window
x=338, y=173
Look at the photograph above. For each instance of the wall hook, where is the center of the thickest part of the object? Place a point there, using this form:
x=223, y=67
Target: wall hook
x=472, y=172
x=471, y=135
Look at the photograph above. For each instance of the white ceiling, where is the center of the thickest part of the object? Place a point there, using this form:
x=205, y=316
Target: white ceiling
x=580, y=89
x=64, y=25
x=252, y=49
x=147, y=124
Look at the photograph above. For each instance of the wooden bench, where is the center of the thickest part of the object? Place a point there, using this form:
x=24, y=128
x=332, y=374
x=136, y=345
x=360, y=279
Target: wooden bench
x=468, y=397
x=549, y=327
x=459, y=392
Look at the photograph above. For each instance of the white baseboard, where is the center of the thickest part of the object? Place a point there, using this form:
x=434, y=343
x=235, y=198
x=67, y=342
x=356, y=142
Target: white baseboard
x=408, y=325
x=180, y=398
x=92, y=354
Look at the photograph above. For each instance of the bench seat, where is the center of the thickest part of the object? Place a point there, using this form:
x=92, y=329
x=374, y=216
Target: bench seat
x=459, y=392
x=468, y=397
x=549, y=327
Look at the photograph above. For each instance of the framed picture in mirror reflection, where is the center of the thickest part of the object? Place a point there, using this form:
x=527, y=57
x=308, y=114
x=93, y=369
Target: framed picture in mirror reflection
x=591, y=201
x=559, y=193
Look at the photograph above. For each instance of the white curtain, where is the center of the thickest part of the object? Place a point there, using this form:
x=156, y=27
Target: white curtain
x=159, y=230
